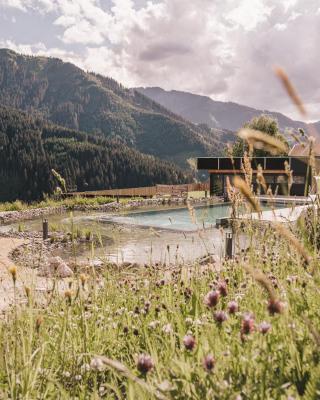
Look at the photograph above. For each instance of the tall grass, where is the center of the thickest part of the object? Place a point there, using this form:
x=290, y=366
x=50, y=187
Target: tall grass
x=86, y=342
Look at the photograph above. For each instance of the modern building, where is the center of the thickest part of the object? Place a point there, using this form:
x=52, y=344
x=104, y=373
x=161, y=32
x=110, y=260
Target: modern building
x=274, y=172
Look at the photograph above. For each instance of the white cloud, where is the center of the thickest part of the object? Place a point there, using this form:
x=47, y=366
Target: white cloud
x=249, y=13
x=225, y=49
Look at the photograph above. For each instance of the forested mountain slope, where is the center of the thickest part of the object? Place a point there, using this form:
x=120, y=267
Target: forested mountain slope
x=71, y=97
x=30, y=147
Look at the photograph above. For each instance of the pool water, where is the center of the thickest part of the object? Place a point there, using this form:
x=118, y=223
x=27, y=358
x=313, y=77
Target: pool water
x=179, y=219
x=164, y=235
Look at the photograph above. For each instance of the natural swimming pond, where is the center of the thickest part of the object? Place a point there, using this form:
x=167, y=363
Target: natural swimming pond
x=163, y=235
x=179, y=219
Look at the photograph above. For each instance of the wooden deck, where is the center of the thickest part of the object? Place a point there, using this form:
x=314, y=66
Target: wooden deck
x=149, y=191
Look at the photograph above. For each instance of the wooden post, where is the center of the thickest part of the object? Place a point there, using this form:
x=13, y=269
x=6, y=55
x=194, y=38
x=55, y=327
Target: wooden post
x=45, y=229
x=229, y=245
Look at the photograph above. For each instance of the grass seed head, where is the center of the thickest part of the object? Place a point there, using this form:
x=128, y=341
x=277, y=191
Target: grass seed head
x=291, y=91
x=246, y=192
x=68, y=296
x=262, y=141
x=13, y=273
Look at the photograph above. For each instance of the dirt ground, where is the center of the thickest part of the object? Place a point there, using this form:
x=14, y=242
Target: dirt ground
x=26, y=277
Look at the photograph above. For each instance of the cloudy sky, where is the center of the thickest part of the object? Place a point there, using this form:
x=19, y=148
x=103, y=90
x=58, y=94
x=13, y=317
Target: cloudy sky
x=221, y=48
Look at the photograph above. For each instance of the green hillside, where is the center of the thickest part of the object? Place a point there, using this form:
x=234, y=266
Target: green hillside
x=31, y=147
x=70, y=97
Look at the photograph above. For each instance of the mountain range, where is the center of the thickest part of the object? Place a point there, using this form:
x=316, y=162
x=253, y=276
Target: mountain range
x=216, y=114
x=66, y=95
x=99, y=134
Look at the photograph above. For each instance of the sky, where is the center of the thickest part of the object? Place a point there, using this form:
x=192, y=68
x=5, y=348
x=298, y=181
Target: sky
x=225, y=49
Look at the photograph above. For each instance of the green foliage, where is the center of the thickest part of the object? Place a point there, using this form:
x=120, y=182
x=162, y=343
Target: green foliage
x=61, y=180
x=69, y=203
x=32, y=149
x=70, y=97
x=263, y=123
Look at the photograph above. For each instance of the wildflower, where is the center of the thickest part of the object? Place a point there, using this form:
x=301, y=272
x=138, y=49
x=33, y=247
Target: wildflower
x=189, y=342
x=222, y=288
x=208, y=362
x=264, y=327
x=167, y=328
x=66, y=374
x=275, y=306
x=85, y=368
x=220, y=317
x=212, y=298
x=153, y=324
x=187, y=293
x=13, y=272
x=188, y=321
x=97, y=364
x=136, y=310
x=144, y=363
x=135, y=332
x=247, y=325
x=233, y=307
x=78, y=378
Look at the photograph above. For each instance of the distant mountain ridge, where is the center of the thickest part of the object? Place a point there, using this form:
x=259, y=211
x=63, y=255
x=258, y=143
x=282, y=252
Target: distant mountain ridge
x=216, y=114
x=71, y=97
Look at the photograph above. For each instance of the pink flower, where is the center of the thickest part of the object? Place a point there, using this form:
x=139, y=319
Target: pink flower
x=208, y=362
x=220, y=316
x=247, y=325
x=275, y=306
x=144, y=363
x=233, y=307
x=264, y=327
x=189, y=342
x=212, y=298
x=222, y=287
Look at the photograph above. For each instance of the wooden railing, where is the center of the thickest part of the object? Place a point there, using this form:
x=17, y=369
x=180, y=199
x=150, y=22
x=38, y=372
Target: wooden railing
x=149, y=191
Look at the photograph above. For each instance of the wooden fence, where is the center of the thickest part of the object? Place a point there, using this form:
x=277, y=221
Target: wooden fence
x=149, y=191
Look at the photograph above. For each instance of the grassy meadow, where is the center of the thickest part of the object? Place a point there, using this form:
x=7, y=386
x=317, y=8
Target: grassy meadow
x=249, y=330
